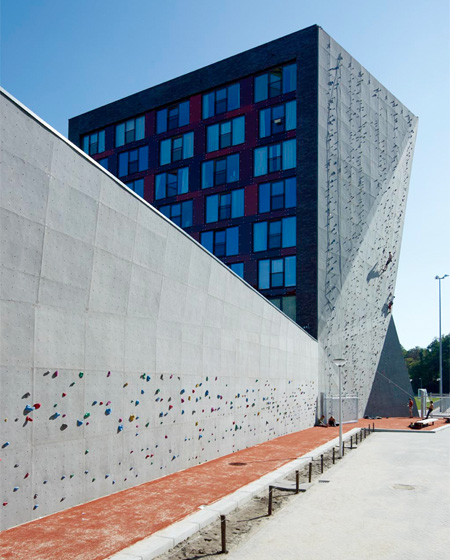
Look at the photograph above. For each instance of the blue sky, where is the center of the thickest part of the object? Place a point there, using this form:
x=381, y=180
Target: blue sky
x=63, y=58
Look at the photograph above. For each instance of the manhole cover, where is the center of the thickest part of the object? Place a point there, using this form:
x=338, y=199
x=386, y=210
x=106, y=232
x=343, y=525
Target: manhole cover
x=403, y=487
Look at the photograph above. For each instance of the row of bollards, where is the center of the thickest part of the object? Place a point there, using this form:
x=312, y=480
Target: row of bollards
x=363, y=433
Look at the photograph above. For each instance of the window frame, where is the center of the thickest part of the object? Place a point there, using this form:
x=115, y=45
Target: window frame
x=182, y=205
x=237, y=206
x=228, y=243
x=100, y=142
x=140, y=150
x=180, y=187
x=264, y=83
x=215, y=173
x=215, y=136
x=288, y=114
x=185, y=146
x=269, y=164
x=132, y=185
x=274, y=234
x=289, y=184
x=209, y=100
x=163, y=117
x=138, y=125
x=271, y=262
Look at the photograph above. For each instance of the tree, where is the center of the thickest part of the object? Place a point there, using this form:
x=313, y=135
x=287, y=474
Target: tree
x=423, y=365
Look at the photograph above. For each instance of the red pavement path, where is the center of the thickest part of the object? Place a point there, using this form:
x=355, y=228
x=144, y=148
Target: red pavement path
x=98, y=529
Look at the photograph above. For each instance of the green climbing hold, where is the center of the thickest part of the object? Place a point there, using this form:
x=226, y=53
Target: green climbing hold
x=86, y=452
x=87, y=415
x=80, y=375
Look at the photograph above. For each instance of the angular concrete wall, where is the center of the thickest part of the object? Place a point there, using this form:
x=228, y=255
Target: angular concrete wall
x=391, y=386
x=145, y=353
x=366, y=143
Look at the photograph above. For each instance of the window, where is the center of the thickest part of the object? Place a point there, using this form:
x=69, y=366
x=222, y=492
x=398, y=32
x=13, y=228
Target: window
x=130, y=131
x=222, y=243
x=133, y=161
x=180, y=213
x=275, y=157
x=287, y=305
x=220, y=171
x=172, y=183
x=277, y=119
x=172, y=117
x=177, y=148
x=225, y=134
x=137, y=186
x=277, y=195
x=103, y=162
x=221, y=100
x=238, y=268
x=94, y=143
x=276, y=273
x=224, y=206
x=274, y=235
x=275, y=82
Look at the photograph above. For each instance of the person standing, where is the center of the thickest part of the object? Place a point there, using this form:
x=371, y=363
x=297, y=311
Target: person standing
x=410, y=406
x=430, y=409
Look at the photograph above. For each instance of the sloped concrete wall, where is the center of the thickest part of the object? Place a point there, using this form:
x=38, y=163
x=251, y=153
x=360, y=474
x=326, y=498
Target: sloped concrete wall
x=366, y=144
x=139, y=353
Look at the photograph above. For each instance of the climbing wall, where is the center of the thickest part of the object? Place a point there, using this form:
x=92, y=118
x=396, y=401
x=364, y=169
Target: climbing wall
x=366, y=143
x=128, y=352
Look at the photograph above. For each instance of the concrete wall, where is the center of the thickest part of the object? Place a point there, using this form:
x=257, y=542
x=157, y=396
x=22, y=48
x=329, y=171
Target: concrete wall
x=145, y=353
x=366, y=143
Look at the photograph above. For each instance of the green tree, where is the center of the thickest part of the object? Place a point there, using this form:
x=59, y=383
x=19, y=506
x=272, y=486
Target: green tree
x=423, y=364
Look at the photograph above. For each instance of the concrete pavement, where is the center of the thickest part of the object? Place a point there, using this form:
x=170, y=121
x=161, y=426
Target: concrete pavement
x=390, y=500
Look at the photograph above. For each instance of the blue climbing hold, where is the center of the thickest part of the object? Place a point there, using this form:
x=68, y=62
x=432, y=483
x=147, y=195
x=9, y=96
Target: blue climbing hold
x=79, y=422
x=119, y=428
x=108, y=411
x=29, y=408
x=5, y=444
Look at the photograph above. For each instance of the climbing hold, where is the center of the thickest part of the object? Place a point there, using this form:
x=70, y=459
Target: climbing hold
x=79, y=422
x=35, y=496
x=109, y=402
x=94, y=403
x=29, y=419
x=35, y=506
x=55, y=374
x=5, y=503
x=182, y=391
x=120, y=428
x=64, y=394
x=108, y=411
x=15, y=488
x=108, y=374
x=107, y=475
x=72, y=384
x=142, y=376
x=80, y=375
x=136, y=403
x=148, y=378
x=37, y=405
x=125, y=384
x=132, y=417
x=93, y=480
x=26, y=475
x=29, y=408
x=86, y=452
x=87, y=415
x=45, y=482
x=142, y=391
x=62, y=499
x=71, y=476
x=63, y=477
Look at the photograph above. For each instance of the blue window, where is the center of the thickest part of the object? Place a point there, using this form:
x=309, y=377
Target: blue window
x=277, y=119
x=225, y=134
x=238, y=268
x=94, y=143
x=221, y=101
x=222, y=243
x=224, y=206
x=287, y=304
x=133, y=161
x=137, y=186
x=275, y=82
x=277, y=195
x=130, y=131
x=275, y=157
x=276, y=273
x=103, y=162
x=274, y=235
x=172, y=183
x=180, y=213
x=177, y=148
x=220, y=171
x=172, y=117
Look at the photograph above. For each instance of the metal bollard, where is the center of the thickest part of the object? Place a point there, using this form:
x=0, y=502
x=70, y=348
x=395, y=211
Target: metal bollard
x=343, y=448
x=321, y=464
x=270, y=499
x=351, y=442
x=373, y=427
x=297, y=482
x=310, y=471
x=223, y=528
x=334, y=451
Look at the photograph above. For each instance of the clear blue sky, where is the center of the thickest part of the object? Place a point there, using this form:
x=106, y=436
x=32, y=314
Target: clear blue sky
x=62, y=58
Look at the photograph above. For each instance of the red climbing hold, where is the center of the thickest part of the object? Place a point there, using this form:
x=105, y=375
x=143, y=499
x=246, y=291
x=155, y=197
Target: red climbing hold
x=37, y=405
x=29, y=419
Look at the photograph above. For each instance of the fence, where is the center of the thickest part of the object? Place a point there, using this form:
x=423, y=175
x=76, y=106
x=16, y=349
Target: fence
x=330, y=405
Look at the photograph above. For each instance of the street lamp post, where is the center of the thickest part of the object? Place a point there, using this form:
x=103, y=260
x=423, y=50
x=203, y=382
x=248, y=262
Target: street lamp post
x=339, y=362
x=440, y=334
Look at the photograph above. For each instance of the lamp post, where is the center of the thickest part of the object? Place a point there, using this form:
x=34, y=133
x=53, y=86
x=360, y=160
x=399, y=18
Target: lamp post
x=339, y=362
x=440, y=335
